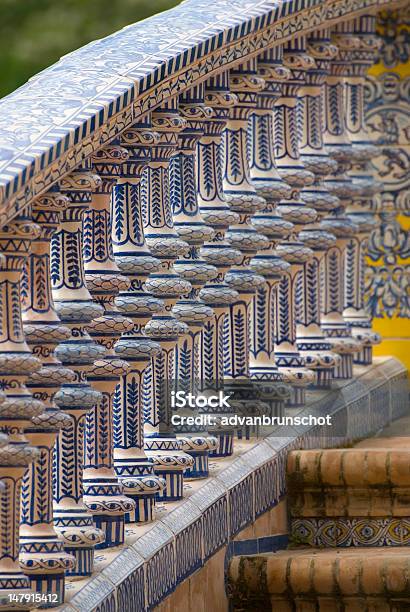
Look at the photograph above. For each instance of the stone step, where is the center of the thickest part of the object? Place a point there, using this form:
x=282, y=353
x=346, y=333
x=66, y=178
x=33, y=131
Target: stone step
x=332, y=580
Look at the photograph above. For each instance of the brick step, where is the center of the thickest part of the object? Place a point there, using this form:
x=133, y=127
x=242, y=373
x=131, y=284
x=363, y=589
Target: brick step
x=354, y=482
x=332, y=580
x=349, y=497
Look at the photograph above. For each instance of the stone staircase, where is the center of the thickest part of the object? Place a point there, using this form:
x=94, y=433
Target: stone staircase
x=349, y=532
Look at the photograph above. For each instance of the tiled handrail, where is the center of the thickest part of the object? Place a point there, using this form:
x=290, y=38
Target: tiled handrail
x=184, y=204
x=68, y=111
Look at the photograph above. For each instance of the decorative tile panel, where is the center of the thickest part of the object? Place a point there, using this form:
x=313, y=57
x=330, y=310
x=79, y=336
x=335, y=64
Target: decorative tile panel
x=157, y=548
x=351, y=532
x=212, y=500
x=266, y=477
x=388, y=116
x=127, y=573
x=238, y=478
x=186, y=525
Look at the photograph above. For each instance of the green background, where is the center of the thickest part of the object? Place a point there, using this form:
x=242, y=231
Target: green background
x=36, y=33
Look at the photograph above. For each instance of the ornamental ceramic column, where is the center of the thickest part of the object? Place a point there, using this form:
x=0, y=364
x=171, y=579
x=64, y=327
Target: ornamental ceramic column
x=355, y=62
x=191, y=227
x=311, y=341
x=134, y=470
x=161, y=444
x=294, y=210
x=272, y=188
x=17, y=363
x=215, y=212
x=243, y=199
x=42, y=554
x=338, y=147
x=103, y=493
x=74, y=305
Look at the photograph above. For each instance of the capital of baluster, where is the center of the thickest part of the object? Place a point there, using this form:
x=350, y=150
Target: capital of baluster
x=18, y=407
x=131, y=253
x=76, y=309
x=42, y=554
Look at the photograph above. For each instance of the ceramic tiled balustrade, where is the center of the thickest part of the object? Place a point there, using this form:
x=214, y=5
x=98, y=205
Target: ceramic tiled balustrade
x=183, y=204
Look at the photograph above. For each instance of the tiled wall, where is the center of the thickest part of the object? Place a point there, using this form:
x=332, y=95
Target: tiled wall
x=388, y=117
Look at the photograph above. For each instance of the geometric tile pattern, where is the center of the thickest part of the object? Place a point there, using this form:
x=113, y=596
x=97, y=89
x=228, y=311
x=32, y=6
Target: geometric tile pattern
x=241, y=505
x=351, y=532
x=127, y=570
x=212, y=501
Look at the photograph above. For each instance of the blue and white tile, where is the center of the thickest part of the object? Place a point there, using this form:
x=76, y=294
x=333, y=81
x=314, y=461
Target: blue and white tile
x=185, y=523
x=212, y=500
x=157, y=548
x=126, y=572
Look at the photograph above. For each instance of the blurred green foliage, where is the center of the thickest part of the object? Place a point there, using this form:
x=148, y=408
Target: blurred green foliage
x=36, y=33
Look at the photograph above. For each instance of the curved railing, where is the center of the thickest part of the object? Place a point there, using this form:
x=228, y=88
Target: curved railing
x=70, y=110
x=184, y=205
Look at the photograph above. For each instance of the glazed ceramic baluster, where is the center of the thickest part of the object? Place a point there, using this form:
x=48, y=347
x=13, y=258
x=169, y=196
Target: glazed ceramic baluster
x=161, y=443
x=134, y=470
x=356, y=63
x=17, y=409
x=288, y=359
x=311, y=341
x=191, y=227
x=272, y=188
x=74, y=305
x=312, y=153
x=216, y=213
x=103, y=493
x=42, y=554
x=338, y=147
x=243, y=199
